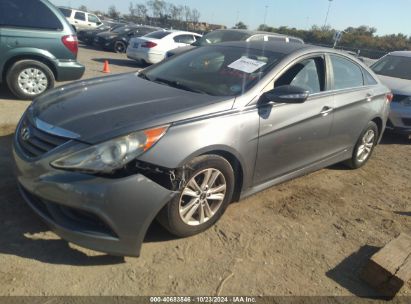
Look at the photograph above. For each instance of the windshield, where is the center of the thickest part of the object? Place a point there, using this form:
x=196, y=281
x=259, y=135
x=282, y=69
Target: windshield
x=393, y=66
x=221, y=36
x=215, y=70
x=158, y=34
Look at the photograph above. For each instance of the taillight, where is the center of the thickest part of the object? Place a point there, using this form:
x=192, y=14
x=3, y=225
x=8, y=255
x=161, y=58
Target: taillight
x=390, y=96
x=71, y=42
x=148, y=45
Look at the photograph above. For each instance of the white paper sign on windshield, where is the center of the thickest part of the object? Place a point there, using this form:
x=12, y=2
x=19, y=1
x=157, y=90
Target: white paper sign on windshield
x=247, y=65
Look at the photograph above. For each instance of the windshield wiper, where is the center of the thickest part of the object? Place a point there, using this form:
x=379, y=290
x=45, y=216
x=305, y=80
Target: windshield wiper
x=177, y=85
x=144, y=76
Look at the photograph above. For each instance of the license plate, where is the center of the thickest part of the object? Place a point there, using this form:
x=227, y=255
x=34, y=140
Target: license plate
x=136, y=45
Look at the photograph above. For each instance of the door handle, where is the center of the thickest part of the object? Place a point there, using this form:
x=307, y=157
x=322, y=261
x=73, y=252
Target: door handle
x=326, y=110
x=369, y=97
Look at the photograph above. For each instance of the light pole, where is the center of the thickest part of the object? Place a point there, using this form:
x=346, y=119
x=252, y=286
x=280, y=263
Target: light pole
x=328, y=12
x=265, y=15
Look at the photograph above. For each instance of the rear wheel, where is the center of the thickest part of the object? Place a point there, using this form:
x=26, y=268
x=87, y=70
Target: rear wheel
x=364, y=146
x=203, y=199
x=120, y=47
x=28, y=79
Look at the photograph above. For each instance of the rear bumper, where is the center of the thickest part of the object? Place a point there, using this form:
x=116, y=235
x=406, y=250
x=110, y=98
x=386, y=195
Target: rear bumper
x=149, y=57
x=69, y=70
x=107, y=215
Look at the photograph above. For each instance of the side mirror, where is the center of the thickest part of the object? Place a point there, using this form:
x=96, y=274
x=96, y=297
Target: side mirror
x=285, y=94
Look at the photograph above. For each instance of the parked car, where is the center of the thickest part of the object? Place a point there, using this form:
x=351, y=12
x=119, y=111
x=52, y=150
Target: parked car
x=99, y=160
x=118, y=39
x=394, y=70
x=87, y=36
x=37, y=47
x=219, y=36
x=153, y=47
x=80, y=20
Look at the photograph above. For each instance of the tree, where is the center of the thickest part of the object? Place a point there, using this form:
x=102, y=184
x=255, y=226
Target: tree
x=157, y=7
x=113, y=13
x=82, y=8
x=140, y=11
x=240, y=26
x=187, y=13
x=195, y=15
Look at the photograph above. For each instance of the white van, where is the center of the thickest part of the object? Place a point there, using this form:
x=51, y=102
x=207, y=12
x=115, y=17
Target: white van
x=80, y=20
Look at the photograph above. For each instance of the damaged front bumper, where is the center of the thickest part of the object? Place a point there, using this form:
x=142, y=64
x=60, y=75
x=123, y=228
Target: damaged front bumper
x=111, y=215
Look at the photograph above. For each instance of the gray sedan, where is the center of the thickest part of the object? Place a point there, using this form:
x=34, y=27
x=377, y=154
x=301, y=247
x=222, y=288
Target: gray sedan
x=99, y=160
x=394, y=70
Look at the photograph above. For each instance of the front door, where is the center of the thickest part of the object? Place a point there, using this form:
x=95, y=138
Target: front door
x=293, y=136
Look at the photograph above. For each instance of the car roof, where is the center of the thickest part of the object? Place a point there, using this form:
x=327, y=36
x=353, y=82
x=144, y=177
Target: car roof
x=401, y=53
x=278, y=47
x=251, y=33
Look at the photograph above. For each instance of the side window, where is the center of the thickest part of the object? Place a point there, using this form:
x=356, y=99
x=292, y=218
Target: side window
x=308, y=74
x=368, y=78
x=92, y=18
x=66, y=12
x=257, y=38
x=187, y=39
x=276, y=39
x=28, y=14
x=346, y=73
x=80, y=16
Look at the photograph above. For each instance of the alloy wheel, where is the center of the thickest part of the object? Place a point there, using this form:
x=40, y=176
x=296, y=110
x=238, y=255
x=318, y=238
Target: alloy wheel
x=202, y=197
x=365, y=148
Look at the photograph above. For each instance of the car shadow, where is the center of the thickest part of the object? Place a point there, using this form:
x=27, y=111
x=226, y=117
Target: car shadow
x=347, y=273
x=403, y=213
x=5, y=93
x=390, y=138
x=122, y=62
x=25, y=235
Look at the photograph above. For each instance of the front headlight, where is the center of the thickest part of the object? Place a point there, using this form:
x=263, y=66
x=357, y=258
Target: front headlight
x=111, y=155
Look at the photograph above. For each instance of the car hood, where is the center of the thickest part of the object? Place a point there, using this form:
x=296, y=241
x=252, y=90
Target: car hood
x=397, y=85
x=107, y=107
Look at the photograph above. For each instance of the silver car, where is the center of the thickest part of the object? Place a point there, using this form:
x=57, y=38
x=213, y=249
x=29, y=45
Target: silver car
x=394, y=70
x=99, y=160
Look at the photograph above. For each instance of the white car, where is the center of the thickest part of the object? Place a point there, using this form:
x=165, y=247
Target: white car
x=152, y=48
x=81, y=20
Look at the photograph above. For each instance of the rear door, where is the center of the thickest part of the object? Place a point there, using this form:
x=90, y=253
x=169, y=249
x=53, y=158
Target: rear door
x=294, y=136
x=352, y=101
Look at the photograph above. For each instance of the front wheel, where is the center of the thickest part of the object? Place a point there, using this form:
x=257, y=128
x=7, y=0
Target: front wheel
x=203, y=199
x=364, y=147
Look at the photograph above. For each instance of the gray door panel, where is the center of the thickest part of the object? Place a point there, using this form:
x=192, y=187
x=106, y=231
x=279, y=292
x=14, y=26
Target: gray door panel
x=293, y=136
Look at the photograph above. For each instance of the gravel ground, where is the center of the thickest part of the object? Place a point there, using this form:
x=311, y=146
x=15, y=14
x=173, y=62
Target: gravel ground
x=309, y=236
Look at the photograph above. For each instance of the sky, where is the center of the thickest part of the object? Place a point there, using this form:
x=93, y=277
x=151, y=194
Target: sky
x=388, y=16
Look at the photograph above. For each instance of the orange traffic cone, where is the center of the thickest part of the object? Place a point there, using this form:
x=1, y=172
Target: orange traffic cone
x=106, y=68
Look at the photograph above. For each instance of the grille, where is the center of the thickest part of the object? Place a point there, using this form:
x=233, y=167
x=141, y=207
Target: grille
x=407, y=121
x=398, y=98
x=35, y=142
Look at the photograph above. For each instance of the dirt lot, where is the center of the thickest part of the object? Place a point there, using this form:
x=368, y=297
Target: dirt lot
x=309, y=236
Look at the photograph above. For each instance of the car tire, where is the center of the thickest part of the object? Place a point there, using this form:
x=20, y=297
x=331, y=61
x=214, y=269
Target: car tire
x=120, y=47
x=21, y=73
x=208, y=205
x=364, y=146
